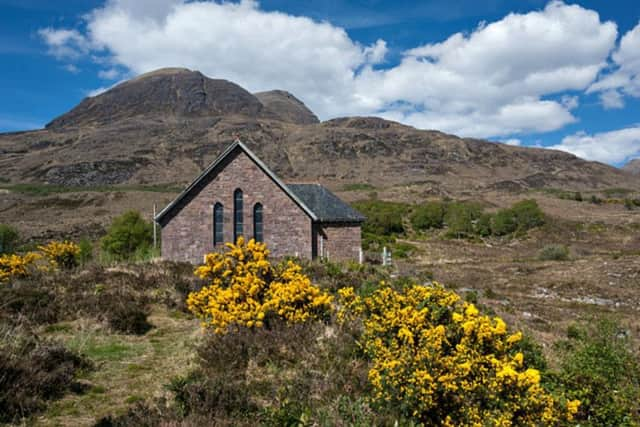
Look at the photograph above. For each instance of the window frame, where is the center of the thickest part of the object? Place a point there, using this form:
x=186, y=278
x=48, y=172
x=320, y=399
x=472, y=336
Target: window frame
x=238, y=214
x=258, y=227
x=218, y=227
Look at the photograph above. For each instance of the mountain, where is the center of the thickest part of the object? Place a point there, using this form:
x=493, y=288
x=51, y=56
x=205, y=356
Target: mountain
x=287, y=107
x=632, y=167
x=167, y=125
x=170, y=92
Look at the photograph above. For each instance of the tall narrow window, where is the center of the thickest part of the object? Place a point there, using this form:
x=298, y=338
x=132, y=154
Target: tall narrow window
x=257, y=223
x=237, y=214
x=218, y=224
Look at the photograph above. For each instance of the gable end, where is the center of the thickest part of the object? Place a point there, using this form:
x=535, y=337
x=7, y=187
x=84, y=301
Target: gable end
x=211, y=171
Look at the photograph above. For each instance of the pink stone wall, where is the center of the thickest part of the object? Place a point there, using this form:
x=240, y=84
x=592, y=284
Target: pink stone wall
x=188, y=235
x=340, y=242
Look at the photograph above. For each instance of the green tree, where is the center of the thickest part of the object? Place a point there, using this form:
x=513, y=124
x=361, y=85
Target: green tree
x=8, y=239
x=383, y=218
x=428, y=215
x=528, y=215
x=127, y=234
x=517, y=219
x=504, y=222
x=461, y=217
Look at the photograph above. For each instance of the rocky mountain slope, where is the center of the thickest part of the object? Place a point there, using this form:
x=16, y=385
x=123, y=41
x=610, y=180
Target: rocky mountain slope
x=632, y=167
x=166, y=126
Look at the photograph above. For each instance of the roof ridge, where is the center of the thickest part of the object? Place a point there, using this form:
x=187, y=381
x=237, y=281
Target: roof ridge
x=237, y=143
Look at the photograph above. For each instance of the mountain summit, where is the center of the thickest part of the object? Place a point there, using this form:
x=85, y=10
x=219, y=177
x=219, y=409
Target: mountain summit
x=166, y=92
x=167, y=125
x=182, y=93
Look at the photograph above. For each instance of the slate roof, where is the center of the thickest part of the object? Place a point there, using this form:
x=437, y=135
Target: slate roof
x=324, y=204
x=316, y=201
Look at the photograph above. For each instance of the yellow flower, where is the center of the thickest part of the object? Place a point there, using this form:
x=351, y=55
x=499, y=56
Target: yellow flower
x=245, y=289
x=441, y=359
x=61, y=254
x=572, y=408
x=514, y=338
x=471, y=310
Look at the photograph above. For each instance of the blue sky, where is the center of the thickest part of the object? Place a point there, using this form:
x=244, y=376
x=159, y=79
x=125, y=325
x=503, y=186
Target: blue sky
x=556, y=74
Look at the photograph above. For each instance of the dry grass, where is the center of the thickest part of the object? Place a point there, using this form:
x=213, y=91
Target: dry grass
x=601, y=279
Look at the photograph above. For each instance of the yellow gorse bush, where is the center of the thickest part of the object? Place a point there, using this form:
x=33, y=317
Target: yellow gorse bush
x=247, y=290
x=54, y=255
x=16, y=266
x=443, y=363
x=61, y=254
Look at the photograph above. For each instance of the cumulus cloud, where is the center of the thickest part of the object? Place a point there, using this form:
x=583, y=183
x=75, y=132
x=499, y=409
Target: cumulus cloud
x=64, y=43
x=611, y=99
x=110, y=74
x=625, y=75
x=610, y=147
x=504, y=78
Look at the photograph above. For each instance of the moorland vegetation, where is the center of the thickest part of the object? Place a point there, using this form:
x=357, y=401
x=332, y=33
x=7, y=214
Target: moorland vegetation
x=291, y=342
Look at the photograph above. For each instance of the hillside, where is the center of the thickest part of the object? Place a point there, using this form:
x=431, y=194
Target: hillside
x=632, y=167
x=165, y=126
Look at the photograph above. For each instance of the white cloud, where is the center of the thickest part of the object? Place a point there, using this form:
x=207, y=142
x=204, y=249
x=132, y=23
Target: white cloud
x=110, y=74
x=512, y=141
x=569, y=102
x=495, y=81
x=72, y=68
x=611, y=98
x=625, y=74
x=609, y=147
x=64, y=43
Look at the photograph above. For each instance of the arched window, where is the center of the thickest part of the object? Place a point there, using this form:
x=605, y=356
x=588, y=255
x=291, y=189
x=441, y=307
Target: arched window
x=218, y=224
x=257, y=223
x=237, y=214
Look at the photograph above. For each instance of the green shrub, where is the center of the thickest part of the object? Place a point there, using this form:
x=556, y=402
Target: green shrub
x=375, y=242
x=383, y=218
x=554, y=253
x=358, y=187
x=461, y=217
x=8, y=239
x=504, y=222
x=128, y=234
x=86, y=251
x=428, y=215
x=600, y=369
x=518, y=219
x=628, y=204
x=402, y=250
x=483, y=225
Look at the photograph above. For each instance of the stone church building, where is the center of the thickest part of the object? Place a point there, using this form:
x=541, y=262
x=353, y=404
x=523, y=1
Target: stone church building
x=237, y=195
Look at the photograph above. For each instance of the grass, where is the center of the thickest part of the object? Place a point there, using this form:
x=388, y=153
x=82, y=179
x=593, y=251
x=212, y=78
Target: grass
x=358, y=187
x=49, y=189
x=617, y=192
x=129, y=368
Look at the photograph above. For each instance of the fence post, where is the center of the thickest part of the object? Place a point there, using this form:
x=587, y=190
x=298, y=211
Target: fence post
x=155, y=228
x=386, y=256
